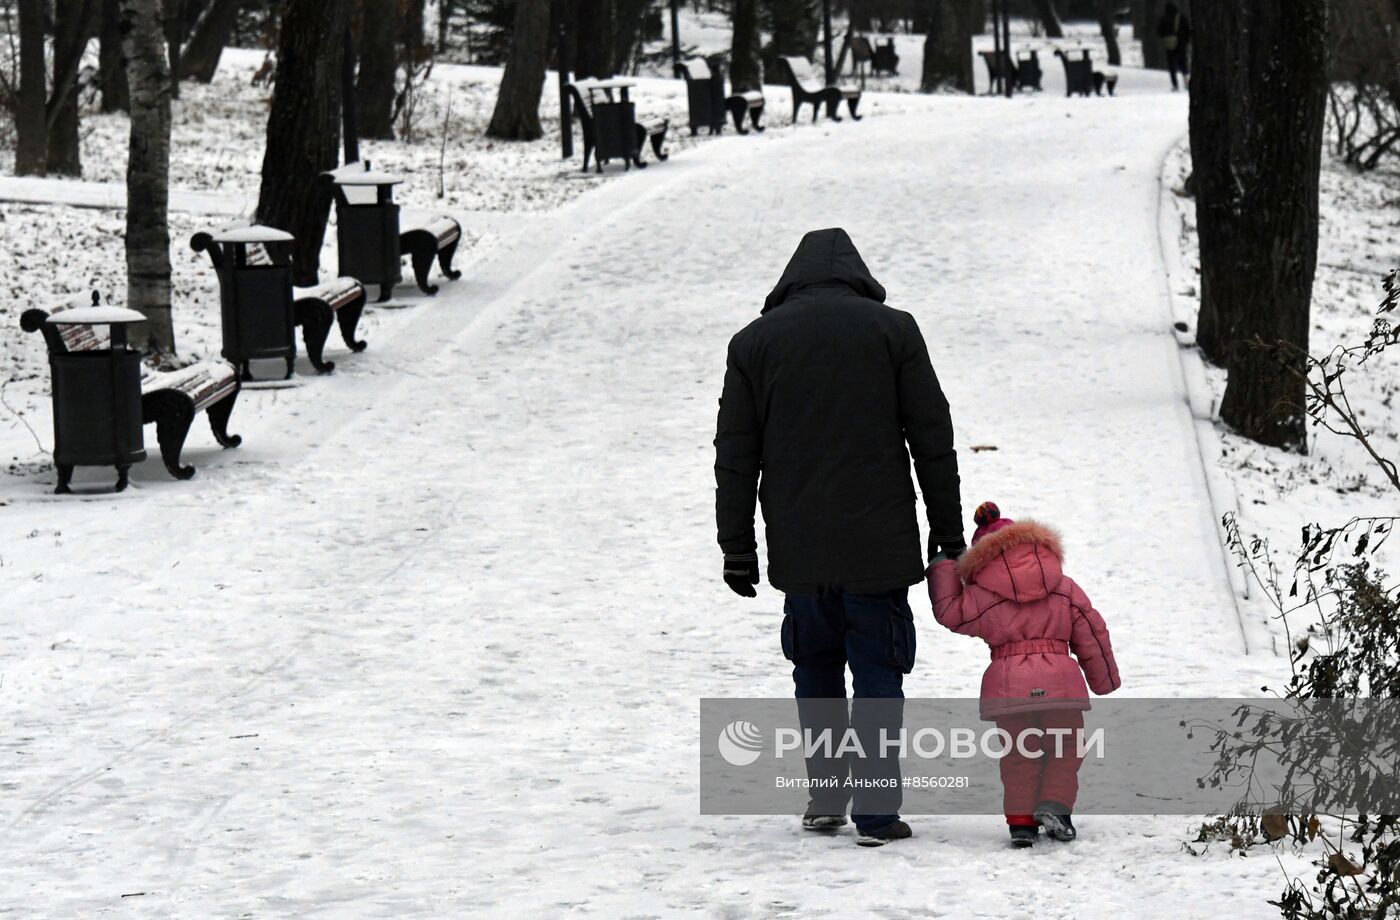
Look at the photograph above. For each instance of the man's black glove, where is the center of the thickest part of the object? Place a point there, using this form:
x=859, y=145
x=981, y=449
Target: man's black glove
x=741, y=574
x=950, y=550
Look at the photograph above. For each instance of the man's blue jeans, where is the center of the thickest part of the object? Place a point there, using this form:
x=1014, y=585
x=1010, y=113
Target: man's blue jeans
x=874, y=635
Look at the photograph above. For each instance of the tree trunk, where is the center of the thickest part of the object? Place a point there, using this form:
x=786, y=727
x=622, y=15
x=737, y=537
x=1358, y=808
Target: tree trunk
x=1154, y=53
x=303, y=127
x=746, y=61
x=794, y=25
x=1257, y=110
x=200, y=59
x=948, y=46
x=1049, y=18
x=860, y=18
x=378, y=54
x=148, y=174
x=593, y=39
x=414, y=41
x=72, y=25
x=31, y=124
x=517, y=114
x=111, y=60
x=1106, y=11
x=174, y=41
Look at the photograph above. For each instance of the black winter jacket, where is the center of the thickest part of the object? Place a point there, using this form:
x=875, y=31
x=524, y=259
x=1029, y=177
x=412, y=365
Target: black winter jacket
x=821, y=393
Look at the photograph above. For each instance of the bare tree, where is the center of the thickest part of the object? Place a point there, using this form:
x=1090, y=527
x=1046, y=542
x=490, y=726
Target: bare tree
x=1107, y=12
x=517, y=113
x=1257, y=104
x=148, y=173
x=211, y=35
x=948, y=46
x=1049, y=18
x=73, y=24
x=379, y=62
x=303, y=127
x=31, y=124
x=746, y=62
x=111, y=64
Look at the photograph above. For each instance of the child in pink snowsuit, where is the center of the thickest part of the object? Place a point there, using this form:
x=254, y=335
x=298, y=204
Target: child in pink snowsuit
x=1008, y=589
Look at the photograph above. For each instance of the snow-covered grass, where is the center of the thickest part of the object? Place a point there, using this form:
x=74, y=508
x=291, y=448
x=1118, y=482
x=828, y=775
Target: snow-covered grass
x=1276, y=492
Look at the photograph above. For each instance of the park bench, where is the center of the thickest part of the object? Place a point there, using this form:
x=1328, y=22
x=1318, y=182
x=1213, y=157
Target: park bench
x=169, y=399
x=428, y=236
x=885, y=61
x=1081, y=78
x=704, y=82
x=610, y=126
x=808, y=87
x=999, y=66
x=315, y=308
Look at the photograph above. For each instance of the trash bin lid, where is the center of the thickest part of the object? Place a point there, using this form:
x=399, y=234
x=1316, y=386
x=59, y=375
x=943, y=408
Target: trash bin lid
x=250, y=233
x=96, y=316
x=357, y=174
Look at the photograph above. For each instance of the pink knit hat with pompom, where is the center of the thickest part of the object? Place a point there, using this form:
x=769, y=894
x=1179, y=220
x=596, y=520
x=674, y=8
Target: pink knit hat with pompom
x=988, y=519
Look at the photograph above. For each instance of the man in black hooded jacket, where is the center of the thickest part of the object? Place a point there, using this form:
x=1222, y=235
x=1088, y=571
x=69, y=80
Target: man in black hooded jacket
x=821, y=395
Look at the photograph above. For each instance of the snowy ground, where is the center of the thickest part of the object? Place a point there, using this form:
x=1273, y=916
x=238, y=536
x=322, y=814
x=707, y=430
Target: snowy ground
x=1274, y=492
x=431, y=643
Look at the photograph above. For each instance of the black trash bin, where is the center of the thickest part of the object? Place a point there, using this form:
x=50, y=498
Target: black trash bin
x=367, y=225
x=96, y=390
x=255, y=295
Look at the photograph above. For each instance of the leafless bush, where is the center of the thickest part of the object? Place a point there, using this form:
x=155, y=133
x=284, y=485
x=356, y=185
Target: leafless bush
x=1364, y=71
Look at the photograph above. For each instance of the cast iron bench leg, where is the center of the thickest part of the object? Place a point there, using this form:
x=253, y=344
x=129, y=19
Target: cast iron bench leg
x=348, y=317
x=445, y=255
x=756, y=113
x=851, y=104
x=424, y=250
x=123, y=477
x=315, y=320
x=656, y=141
x=65, y=476
x=833, y=105
x=736, y=107
x=173, y=413
x=219, y=414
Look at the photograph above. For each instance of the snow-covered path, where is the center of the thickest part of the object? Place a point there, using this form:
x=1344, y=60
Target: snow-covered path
x=432, y=642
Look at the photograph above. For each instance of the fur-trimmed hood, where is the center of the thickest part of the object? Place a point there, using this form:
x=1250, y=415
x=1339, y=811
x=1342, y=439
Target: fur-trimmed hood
x=1021, y=562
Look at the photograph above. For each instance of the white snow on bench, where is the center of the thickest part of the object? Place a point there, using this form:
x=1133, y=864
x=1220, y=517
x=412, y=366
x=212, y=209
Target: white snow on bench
x=334, y=293
x=445, y=228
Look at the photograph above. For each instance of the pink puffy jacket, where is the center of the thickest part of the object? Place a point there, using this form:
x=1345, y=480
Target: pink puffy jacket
x=1019, y=601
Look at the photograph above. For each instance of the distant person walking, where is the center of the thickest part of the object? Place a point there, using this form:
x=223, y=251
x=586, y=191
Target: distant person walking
x=821, y=395
x=1175, y=31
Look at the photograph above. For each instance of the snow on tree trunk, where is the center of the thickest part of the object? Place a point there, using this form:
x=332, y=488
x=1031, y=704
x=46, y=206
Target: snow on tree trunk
x=303, y=127
x=148, y=173
x=111, y=60
x=378, y=54
x=746, y=52
x=1257, y=108
x=31, y=128
x=948, y=45
x=517, y=113
x=200, y=59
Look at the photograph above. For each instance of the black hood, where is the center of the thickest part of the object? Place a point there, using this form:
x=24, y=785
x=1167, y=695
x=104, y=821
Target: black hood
x=822, y=257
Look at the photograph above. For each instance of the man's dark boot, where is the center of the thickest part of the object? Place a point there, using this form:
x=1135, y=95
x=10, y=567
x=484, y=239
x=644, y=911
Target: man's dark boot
x=895, y=830
x=812, y=822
